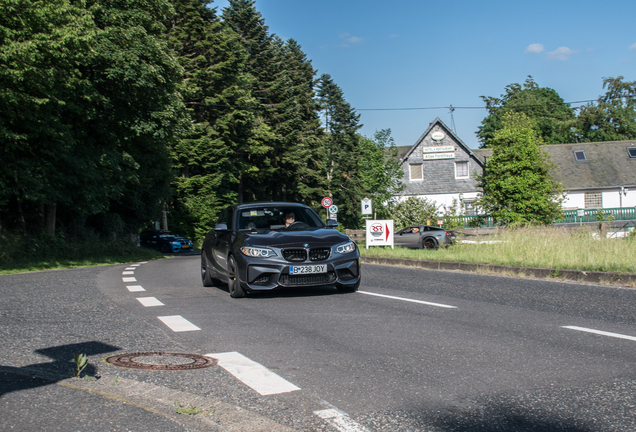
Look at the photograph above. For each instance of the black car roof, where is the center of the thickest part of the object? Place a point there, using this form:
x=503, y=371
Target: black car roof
x=277, y=204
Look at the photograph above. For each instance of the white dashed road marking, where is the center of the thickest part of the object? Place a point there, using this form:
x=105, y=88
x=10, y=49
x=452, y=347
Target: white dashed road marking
x=600, y=332
x=253, y=374
x=149, y=301
x=128, y=272
x=409, y=300
x=130, y=268
x=129, y=279
x=339, y=420
x=177, y=323
x=135, y=288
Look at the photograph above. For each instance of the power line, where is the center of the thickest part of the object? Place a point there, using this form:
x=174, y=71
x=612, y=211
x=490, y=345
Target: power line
x=451, y=107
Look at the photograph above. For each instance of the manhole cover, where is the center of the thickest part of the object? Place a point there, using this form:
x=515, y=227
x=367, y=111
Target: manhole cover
x=161, y=361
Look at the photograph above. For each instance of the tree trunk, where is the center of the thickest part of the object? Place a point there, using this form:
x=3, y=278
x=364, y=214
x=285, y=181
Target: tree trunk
x=240, y=189
x=49, y=225
x=164, y=220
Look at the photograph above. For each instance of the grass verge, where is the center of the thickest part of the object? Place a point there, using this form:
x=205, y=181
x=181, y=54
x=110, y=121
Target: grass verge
x=19, y=254
x=554, y=248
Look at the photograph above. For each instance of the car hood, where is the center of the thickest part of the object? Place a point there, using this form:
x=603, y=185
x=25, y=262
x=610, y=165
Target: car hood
x=285, y=238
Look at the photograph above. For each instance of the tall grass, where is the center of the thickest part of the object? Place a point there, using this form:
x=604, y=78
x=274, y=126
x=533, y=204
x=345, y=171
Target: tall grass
x=533, y=247
x=32, y=253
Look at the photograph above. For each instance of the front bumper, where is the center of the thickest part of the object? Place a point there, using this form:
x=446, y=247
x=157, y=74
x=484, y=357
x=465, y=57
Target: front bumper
x=264, y=274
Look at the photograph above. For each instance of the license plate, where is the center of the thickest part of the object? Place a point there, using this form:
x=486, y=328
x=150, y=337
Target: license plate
x=310, y=269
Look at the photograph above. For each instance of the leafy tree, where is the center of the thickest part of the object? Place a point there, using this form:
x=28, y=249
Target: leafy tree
x=413, y=211
x=552, y=117
x=380, y=171
x=88, y=105
x=517, y=185
x=612, y=117
x=343, y=149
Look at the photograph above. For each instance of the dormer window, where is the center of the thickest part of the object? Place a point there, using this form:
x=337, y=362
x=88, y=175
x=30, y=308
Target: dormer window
x=579, y=156
x=631, y=151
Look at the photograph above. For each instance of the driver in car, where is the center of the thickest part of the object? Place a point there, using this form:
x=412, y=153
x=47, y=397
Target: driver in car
x=289, y=218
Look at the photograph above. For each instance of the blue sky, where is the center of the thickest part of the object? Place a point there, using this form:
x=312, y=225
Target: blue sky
x=424, y=54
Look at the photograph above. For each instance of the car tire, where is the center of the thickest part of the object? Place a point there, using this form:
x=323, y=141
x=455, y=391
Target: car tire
x=233, y=283
x=430, y=243
x=206, y=279
x=349, y=288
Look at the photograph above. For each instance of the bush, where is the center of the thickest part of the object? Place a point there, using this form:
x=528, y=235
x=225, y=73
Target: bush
x=413, y=211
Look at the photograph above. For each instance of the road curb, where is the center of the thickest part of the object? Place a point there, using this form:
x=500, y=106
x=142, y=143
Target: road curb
x=601, y=278
x=214, y=416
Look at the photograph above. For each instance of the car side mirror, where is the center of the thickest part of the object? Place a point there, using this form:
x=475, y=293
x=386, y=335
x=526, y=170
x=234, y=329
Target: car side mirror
x=332, y=223
x=220, y=227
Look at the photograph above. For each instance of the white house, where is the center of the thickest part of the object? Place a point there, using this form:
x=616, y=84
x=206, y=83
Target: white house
x=441, y=168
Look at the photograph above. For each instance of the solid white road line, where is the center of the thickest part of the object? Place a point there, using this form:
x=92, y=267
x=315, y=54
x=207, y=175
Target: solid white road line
x=149, y=301
x=339, y=420
x=253, y=374
x=129, y=279
x=127, y=272
x=177, y=323
x=409, y=300
x=135, y=288
x=600, y=332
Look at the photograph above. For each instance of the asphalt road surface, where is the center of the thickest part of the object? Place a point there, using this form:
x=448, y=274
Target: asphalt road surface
x=413, y=350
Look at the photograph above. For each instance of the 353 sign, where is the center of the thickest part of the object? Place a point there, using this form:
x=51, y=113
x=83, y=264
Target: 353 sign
x=379, y=233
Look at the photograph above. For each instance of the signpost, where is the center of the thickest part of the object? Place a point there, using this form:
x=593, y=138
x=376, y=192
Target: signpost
x=367, y=207
x=379, y=233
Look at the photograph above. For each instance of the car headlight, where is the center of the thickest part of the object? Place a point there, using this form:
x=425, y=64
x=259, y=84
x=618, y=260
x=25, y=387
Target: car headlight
x=257, y=252
x=346, y=248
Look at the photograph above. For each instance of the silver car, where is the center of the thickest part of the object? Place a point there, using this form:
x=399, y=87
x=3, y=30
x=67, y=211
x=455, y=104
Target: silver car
x=423, y=236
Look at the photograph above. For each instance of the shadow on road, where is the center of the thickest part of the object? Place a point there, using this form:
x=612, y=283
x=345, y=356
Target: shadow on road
x=41, y=374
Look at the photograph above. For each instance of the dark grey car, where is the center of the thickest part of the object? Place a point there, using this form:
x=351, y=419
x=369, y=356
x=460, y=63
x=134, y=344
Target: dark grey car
x=423, y=236
x=252, y=249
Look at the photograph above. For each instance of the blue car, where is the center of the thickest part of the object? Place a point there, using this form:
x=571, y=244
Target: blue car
x=165, y=241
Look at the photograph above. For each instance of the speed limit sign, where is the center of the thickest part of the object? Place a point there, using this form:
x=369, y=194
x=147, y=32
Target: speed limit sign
x=327, y=202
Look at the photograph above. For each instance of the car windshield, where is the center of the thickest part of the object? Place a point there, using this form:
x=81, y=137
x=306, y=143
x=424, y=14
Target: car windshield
x=276, y=218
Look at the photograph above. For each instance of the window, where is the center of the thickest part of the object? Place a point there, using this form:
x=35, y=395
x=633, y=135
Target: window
x=461, y=169
x=631, y=151
x=579, y=156
x=469, y=208
x=593, y=200
x=416, y=172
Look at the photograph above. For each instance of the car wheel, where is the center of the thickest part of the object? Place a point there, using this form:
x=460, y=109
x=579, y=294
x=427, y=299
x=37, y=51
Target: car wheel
x=233, y=284
x=429, y=243
x=349, y=288
x=205, y=273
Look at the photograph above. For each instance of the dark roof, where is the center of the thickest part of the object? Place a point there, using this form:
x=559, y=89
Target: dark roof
x=448, y=131
x=607, y=164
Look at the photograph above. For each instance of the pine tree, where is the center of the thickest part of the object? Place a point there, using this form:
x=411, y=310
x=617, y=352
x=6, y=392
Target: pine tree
x=211, y=161
x=342, y=146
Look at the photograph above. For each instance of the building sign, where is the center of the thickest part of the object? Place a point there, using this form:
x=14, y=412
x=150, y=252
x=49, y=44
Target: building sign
x=438, y=149
x=435, y=156
x=379, y=233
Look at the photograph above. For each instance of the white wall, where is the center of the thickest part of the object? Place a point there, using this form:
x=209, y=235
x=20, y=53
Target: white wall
x=612, y=198
x=442, y=200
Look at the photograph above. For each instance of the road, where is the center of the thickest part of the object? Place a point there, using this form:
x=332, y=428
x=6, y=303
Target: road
x=413, y=350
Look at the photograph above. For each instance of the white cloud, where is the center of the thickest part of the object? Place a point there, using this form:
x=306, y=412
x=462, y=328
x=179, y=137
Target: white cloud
x=534, y=48
x=349, y=39
x=561, y=53
x=633, y=47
